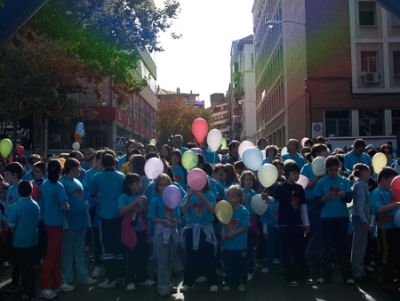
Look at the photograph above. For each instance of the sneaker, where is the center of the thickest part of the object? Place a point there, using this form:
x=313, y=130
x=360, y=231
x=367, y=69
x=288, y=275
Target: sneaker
x=148, y=282
x=96, y=272
x=226, y=288
x=184, y=288
x=130, y=287
x=47, y=294
x=89, y=281
x=107, y=284
x=292, y=283
x=201, y=279
x=64, y=288
x=306, y=281
x=213, y=289
x=350, y=281
x=320, y=280
x=265, y=270
x=241, y=288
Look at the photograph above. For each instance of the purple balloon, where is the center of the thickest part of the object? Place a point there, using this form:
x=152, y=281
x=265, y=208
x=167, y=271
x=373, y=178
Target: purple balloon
x=171, y=196
x=197, y=150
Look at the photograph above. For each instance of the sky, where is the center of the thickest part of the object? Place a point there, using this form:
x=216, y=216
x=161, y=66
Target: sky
x=200, y=60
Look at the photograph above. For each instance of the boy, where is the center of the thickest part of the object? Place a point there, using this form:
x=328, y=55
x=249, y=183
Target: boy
x=24, y=219
x=293, y=147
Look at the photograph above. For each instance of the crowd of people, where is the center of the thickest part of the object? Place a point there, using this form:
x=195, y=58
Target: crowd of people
x=54, y=208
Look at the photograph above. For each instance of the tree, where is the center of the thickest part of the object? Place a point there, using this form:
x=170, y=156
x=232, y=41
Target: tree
x=176, y=117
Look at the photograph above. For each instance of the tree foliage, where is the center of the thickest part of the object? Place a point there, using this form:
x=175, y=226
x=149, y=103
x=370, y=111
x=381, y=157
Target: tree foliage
x=176, y=117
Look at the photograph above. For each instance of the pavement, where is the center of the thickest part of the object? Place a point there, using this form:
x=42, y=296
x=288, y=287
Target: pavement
x=263, y=287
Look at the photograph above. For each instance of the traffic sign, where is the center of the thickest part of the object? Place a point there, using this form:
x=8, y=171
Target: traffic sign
x=120, y=141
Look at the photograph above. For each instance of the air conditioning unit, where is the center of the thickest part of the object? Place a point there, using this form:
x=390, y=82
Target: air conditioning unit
x=370, y=77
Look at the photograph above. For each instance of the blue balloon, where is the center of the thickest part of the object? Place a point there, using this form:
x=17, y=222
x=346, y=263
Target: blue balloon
x=79, y=126
x=252, y=158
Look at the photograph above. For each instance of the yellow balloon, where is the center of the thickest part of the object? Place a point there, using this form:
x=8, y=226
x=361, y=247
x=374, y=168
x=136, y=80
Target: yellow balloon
x=379, y=161
x=224, y=212
x=267, y=174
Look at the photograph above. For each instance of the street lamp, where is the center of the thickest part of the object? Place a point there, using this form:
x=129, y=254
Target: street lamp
x=272, y=23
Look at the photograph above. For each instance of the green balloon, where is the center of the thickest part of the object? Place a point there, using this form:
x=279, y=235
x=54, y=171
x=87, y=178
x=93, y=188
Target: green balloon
x=189, y=160
x=224, y=143
x=6, y=147
x=153, y=142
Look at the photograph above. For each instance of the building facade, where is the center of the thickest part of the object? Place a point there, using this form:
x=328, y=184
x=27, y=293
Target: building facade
x=220, y=113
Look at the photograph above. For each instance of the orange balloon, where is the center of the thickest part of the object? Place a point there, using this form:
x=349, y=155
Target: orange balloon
x=199, y=129
x=62, y=161
x=77, y=137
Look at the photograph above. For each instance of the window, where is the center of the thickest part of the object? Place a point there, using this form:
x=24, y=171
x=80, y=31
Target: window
x=395, y=122
x=337, y=123
x=369, y=61
x=367, y=12
x=395, y=21
x=396, y=63
x=371, y=122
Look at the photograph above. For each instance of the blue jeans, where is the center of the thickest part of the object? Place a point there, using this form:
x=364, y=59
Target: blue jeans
x=273, y=246
x=73, y=251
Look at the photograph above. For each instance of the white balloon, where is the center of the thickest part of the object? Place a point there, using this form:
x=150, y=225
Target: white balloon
x=214, y=139
x=243, y=146
x=284, y=151
x=252, y=158
x=318, y=166
x=258, y=205
x=267, y=174
x=76, y=146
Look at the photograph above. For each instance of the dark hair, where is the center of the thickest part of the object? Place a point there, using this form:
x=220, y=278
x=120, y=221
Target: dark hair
x=271, y=148
x=207, y=167
x=239, y=164
x=151, y=155
x=129, y=179
x=386, y=173
x=15, y=168
x=277, y=162
x=69, y=164
x=168, y=148
x=231, y=175
x=75, y=153
x=41, y=165
x=201, y=160
x=178, y=153
x=359, y=142
x=136, y=164
x=288, y=167
x=53, y=170
x=233, y=144
x=331, y=161
x=129, y=142
x=247, y=173
x=261, y=140
x=25, y=189
x=161, y=177
x=99, y=154
x=34, y=158
x=149, y=146
x=170, y=173
x=108, y=160
x=386, y=145
x=358, y=168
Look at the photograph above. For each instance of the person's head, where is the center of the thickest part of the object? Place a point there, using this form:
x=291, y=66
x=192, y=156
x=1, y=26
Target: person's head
x=248, y=179
x=13, y=172
x=292, y=146
x=233, y=147
x=278, y=163
x=140, y=148
x=235, y=196
x=136, y=164
x=239, y=167
x=271, y=151
x=163, y=180
x=39, y=170
x=201, y=161
x=362, y=171
x=88, y=154
x=108, y=159
x=76, y=155
x=25, y=189
x=150, y=148
x=385, y=177
x=71, y=167
x=97, y=159
x=132, y=184
x=208, y=169
x=33, y=159
x=130, y=145
x=165, y=151
x=319, y=150
x=231, y=175
x=320, y=139
x=176, y=157
x=53, y=170
x=332, y=166
x=219, y=172
x=292, y=171
x=387, y=149
x=338, y=150
x=262, y=143
x=177, y=141
x=358, y=147
x=308, y=143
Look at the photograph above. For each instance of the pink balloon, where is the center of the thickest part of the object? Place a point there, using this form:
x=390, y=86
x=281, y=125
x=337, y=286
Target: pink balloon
x=395, y=186
x=303, y=181
x=243, y=146
x=199, y=129
x=197, y=179
x=303, y=141
x=171, y=196
x=153, y=168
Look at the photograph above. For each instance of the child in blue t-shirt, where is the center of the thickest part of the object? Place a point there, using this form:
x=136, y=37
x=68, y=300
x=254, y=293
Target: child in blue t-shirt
x=24, y=218
x=234, y=237
x=134, y=207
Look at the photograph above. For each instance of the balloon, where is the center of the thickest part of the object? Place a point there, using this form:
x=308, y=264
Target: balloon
x=76, y=145
x=284, y=151
x=153, y=168
x=197, y=150
x=6, y=147
x=153, y=142
x=243, y=146
x=214, y=139
x=20, y=150
x=318, y=166
x=395, y=187
x=62, y=161
x=252, y=158
x=267, y=174
x=189, y=160
x=379, y=161
x=224, y=211
x=397, y=218
x=263, y=154
x=77, y=136
x=303, y=141
x=349, y=205
x=79, y=126
x=224, y=144
x=35, y=191
x=171, y=196
x=258, y=205
x=197, y=179
x=303, y=181
x=199, y=129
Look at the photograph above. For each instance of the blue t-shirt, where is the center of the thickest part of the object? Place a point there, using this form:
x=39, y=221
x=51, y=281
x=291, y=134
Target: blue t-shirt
x=248, y=194
x=125, y=200
x=157, y=209
x=53, y=195
x=210, y=156
x=297, y=158
x=87, y=180
x=382, y=197
x=25, y=219
x=12, y=198
x=333, y=207
x=198, y=212
x=271, y=215
x=180, y=175
x=350, y=159
x=240, y=218
x=40, y=200
x=108, y=184
x=76, y=215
